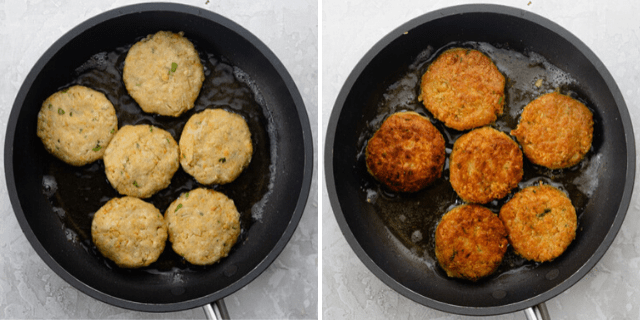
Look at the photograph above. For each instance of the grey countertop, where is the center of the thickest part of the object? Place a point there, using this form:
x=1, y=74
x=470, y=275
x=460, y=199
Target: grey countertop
x=288, y=289
x=611, y=29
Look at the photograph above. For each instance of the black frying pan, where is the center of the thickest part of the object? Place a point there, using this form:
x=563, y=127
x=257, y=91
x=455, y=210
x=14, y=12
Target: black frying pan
x=375, y=236
x=281, y=192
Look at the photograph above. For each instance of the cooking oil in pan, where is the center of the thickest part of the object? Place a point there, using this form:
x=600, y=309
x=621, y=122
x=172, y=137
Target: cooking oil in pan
x=76, y=193
x=411, y=218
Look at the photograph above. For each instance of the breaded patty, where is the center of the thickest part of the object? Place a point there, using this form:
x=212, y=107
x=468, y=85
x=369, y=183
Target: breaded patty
x=407, y=153
x=163, y=73
x=130, y=232
x=485, y=165
x=463, y=88
x=141, y=160
x=555, y=131
x=76, y=124
x=215, y=146
x=541, y=222
x=470, y=242
x=203, y=226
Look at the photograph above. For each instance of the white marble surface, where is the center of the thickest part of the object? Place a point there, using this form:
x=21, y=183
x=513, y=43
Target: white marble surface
x=30, y=290
x=610, y=28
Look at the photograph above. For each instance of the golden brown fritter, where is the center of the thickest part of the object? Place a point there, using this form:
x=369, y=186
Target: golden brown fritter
x=463, y=88
x=541, y=222
x=555, y=131
x=485, y=165
x=470, y=242
x=407, y=153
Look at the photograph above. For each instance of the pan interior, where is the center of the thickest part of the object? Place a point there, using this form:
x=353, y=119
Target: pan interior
x=366, y=212
x=268, y=221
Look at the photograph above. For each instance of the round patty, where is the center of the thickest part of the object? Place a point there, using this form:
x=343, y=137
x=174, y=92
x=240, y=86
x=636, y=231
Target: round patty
x=470, y=242
x=141, y=160
x=485, y=165
x=203, y=225
x=555, y=131
x=215, y=146
x=407, y=153
x=129, y=231
x=76, y=124
x=541, y=222
x=163, y=73
x=463, y=88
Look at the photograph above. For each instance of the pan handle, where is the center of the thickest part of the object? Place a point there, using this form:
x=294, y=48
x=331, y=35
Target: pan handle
x=537, y=312
x=216, y=311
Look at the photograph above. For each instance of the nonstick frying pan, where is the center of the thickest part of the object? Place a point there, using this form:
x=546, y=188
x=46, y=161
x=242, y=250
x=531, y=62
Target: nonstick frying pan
x=176, y=286
x=354, y=194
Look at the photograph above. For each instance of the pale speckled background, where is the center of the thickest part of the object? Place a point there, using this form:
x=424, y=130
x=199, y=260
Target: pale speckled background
x=288, y=289
x=610, y=28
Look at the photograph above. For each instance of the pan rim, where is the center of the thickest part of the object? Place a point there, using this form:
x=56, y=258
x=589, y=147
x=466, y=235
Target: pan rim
x=306, y=153
x=338, y=109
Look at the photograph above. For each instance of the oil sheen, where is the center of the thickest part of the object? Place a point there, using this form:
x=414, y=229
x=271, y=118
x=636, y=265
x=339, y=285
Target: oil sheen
x=411, y=218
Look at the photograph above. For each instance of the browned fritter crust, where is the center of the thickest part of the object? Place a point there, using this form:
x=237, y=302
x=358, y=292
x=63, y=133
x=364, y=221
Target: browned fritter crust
x=463, y=88
x=470, y=242
x=555, y=131
x=541, y=222
x=485, y=165
x=407, y=153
